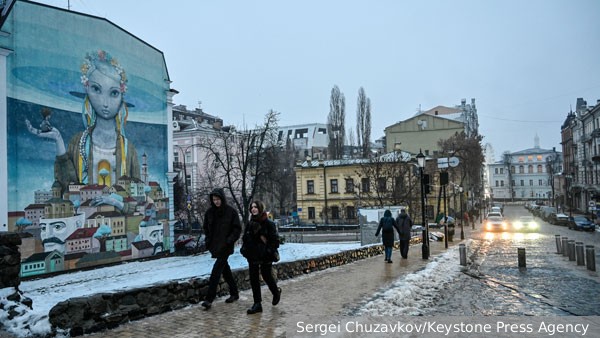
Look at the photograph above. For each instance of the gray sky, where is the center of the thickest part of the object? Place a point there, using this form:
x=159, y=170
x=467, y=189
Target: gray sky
x=524, y=62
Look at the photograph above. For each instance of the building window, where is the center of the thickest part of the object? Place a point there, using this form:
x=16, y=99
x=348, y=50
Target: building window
x=540, y=182
x=531, y=182
x=521, y=159
x=501, y=171
x=335, y=213
x=539, y=157
x=522, y=183
x=529, y=158
x=350, y=185
x=350, y=213
x=530, y=169
x=539, y=168
x=311, y=213
x=310, y=187
x=521, y=169
x=366, y=185
x=496, y=171
x=512, y=169
x=502, y=183
x=381, y=184
x=334, y=186
x=497, y=184
x=512, y=182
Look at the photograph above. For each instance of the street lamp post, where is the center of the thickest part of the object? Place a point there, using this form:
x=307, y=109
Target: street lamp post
x=425, y=246
x=462, y=218
x=190, y=205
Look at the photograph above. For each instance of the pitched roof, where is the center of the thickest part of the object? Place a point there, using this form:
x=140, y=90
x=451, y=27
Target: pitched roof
x=141, y=245
x=82, y=233
x=40, y=256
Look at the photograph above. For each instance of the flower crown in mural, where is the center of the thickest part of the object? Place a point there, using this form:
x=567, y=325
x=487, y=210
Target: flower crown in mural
x=91, y=60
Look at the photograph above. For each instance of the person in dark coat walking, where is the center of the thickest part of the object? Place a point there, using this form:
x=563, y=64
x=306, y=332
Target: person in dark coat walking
x=405, y=223
x=222, y=229
x=387, y=224
x=261, y=241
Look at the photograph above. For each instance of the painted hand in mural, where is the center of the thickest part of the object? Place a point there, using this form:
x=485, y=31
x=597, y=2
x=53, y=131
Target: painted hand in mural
x=53, y=134
x=101, y=200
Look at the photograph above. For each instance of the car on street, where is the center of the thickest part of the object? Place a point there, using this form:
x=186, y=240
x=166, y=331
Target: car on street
x=525, y=223
x=494, y=214
x=558, y=219
x=581, y=223
x=496, y=223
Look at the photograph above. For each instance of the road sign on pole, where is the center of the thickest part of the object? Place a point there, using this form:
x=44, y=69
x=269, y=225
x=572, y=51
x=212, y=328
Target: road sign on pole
x=444, y=162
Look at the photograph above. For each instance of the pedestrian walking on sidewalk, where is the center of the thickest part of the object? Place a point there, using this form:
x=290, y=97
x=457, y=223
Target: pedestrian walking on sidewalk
x=222, y=229
x=405, y=224
x=260, y=243
x=387, y=224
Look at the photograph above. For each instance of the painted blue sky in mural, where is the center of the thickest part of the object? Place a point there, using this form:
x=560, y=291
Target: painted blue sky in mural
x=35, y=157
x=525, y=62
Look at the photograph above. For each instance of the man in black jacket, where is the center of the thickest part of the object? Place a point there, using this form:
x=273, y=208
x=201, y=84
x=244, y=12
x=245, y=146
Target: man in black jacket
x=405, y=224
x=222, y=229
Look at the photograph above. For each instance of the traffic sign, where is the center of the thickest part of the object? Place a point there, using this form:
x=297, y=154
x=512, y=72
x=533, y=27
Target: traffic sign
x=444, y=162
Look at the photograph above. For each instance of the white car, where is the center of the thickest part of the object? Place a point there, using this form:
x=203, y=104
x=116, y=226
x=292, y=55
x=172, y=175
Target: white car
x=494, y=214
x=525, y=223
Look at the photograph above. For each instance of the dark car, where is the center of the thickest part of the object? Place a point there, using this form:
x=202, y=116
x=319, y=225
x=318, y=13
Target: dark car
x=581, y=223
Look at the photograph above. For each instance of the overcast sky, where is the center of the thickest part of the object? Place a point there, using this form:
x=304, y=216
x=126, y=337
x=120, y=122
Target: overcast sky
x=524, y=62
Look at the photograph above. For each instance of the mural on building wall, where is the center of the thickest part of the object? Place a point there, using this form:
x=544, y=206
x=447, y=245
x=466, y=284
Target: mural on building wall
x=87, y=136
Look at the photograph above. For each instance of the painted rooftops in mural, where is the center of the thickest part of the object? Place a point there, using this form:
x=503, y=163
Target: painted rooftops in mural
x=87, y=105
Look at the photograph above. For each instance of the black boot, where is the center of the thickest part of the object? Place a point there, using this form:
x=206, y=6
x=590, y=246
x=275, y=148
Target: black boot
x=232, y=298
x=277, y=297
x=257, y=307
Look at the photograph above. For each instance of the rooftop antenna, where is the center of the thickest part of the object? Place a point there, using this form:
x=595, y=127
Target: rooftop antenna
x=69, y=4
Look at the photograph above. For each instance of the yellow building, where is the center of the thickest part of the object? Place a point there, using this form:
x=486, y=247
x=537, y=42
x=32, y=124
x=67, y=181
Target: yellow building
x=332, y=191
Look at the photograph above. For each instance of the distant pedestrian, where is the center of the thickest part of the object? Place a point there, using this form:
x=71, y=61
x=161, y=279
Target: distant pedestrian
x=222, y=229
x=260, y=249
x=387, y=224
x=405, y=224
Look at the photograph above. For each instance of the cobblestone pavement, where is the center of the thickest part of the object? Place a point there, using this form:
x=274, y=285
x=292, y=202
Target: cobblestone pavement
x=550, y=285
x=324, y=293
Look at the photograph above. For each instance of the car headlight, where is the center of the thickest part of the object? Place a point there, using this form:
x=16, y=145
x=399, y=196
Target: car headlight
x=489, y=226
x=518, y=225
x=504, y=225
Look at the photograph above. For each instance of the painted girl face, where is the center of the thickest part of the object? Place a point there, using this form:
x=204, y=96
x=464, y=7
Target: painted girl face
x=105, y=94
x=254, y=209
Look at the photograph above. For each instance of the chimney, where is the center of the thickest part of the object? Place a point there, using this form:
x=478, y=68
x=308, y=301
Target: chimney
x=218, y=124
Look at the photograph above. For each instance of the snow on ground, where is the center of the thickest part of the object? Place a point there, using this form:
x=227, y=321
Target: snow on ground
x=47, y=292
x=409, y=295
x=413, y=294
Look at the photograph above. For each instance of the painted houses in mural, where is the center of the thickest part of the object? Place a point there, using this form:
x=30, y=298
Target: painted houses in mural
x=84, y=120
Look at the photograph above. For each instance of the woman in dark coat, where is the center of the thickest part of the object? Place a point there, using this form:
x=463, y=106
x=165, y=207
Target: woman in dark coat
x=387, y=224
x=260, y=245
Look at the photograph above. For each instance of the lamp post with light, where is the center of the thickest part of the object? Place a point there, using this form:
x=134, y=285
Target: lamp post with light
x=425, y=246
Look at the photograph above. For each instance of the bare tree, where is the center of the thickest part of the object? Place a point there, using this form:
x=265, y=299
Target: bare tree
x=240, y=160
x=363, y=122
x=469, y=152
x=391, y=181
x=351, y=141
x=278, y=190
x=335, y=123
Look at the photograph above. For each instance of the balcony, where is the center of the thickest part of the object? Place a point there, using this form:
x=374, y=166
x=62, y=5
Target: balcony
x=178, y=166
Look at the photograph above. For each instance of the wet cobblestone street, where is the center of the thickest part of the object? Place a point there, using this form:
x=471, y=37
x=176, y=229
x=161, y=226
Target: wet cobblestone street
x=493, y=285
